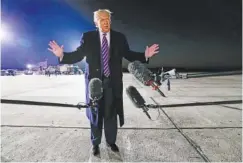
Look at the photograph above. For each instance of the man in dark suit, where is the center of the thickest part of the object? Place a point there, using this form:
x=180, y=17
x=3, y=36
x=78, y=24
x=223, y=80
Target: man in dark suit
x=104, y=49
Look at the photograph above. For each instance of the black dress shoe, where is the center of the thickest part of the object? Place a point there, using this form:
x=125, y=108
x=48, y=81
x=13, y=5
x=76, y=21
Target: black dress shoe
x=113, y=147
x=95, y=150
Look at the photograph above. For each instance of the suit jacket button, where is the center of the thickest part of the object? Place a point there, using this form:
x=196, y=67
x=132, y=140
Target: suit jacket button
x=97, y=69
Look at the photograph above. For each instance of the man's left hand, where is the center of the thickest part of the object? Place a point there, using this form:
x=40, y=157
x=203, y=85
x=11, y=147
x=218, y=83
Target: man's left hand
x=151, y=51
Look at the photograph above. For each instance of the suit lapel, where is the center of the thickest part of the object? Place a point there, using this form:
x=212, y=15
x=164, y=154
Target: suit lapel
x=111, y=50
x=111, y=44
x=97, y=42
x=97, y=54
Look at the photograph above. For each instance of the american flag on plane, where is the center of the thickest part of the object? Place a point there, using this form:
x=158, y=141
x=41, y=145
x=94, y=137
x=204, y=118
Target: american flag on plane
x=43, y=64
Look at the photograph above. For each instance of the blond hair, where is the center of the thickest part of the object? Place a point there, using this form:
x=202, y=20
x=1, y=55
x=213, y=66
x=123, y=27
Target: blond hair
x=96, y=14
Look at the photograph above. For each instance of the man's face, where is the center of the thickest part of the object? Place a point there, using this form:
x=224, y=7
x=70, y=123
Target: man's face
x=104, y=22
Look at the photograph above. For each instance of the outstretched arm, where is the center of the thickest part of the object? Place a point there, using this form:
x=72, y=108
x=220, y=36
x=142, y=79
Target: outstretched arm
x=142, y=57
x=75, y=56
x=132, y=55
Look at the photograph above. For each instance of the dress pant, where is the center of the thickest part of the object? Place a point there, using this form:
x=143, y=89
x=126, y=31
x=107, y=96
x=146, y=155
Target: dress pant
x=106, y=115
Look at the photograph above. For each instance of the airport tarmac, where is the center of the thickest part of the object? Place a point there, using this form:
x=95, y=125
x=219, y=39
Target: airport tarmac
x=180, y=134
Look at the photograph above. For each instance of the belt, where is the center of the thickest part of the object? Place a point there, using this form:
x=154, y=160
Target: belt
x=105, y=77
x=106, y=81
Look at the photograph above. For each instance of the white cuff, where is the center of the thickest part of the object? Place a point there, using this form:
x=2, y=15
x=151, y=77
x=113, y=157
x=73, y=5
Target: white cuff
x=60, y=58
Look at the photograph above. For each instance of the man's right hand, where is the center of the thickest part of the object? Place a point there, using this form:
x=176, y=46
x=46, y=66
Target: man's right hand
x=56, y=49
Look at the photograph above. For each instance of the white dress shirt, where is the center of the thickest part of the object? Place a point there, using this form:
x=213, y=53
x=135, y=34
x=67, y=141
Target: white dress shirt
x=107, y=37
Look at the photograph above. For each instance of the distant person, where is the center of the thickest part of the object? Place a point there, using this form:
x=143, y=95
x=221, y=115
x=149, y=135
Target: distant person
x=104, y=49
x=56, y=72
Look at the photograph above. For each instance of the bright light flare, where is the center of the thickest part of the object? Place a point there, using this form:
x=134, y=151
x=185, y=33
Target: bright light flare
x=74, y=45
x=5, y=34
x=29, y=66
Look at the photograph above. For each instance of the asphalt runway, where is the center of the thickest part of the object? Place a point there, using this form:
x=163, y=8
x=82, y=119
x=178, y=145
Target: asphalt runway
x=180, y=134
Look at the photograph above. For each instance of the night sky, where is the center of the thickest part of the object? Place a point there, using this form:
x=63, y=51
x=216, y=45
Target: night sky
x=191, y=33
x=33, y=23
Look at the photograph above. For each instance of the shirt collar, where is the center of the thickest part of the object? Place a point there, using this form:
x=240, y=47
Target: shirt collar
x=101, y=33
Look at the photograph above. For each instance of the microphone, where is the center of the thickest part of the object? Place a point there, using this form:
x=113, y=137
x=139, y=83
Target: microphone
x=140, y=71
x=144, y=75
x=137, y=99
x=95, y=91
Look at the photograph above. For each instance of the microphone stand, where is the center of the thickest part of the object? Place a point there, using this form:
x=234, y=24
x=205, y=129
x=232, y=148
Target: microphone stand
x=22, y=102
x=155, y=87
x=79, y=106
x=145, y=110
x=94, y=102
x=146, y=107
x=194, y=104
x=161, y=76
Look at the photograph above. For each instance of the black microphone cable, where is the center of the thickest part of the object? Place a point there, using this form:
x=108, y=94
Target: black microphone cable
x=194, y=144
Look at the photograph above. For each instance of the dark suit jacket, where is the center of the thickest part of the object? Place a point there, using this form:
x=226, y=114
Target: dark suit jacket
x=91, y=48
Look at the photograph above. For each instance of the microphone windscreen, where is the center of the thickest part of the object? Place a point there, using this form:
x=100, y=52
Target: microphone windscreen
x=135, y=97
x=143, y=74
x=95, y=89
x=133, y=66
x=140, y=71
